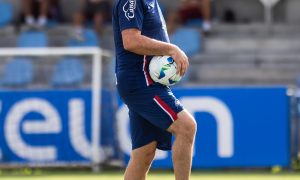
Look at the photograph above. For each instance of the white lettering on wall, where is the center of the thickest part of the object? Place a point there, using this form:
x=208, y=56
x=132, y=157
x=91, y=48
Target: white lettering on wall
x=50, y=124
x=223, y=118
x=210, y=105
x=77, y=125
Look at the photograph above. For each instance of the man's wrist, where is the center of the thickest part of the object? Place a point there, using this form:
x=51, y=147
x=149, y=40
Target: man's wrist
x=172, y=50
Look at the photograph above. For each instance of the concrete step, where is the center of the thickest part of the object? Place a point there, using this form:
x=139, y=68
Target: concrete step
x=251, y=38
x=256, y=29
x=251, y=44
x=239, y=57
x=245, y=74
x=8, y=37
x=245, y=69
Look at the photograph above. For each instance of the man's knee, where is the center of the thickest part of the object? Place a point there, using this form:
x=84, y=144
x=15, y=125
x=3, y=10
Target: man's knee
x=189, y=128
x=185, y=126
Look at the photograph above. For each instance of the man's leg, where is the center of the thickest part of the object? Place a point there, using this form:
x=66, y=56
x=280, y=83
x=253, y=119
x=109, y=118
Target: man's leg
x=172, y=21
x=27, y=8
x=98, y=20
x=78, y=19
x=184, y=129
x=140, y=162
x=205, y=7
x=44, y=7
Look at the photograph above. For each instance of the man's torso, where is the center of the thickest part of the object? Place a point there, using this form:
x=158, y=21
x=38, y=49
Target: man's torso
x=146, y=16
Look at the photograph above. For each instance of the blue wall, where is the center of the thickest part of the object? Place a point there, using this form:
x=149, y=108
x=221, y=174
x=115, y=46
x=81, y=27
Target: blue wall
x=237, y=127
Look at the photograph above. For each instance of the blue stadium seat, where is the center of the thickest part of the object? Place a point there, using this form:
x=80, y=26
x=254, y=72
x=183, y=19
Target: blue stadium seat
x=90, y=40
x=18, y=72
x=188, y=39
x=195, y=23
x=6, y=13
x=68, y=72
x=32, y=39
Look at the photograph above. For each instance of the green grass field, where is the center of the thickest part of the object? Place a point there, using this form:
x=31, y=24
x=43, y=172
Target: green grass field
x=153, y=176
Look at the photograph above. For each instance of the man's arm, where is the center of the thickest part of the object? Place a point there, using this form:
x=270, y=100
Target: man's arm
x=135, y=42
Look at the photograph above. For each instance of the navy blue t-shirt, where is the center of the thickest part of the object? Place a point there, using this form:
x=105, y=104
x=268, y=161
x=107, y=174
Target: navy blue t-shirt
x=132, y=69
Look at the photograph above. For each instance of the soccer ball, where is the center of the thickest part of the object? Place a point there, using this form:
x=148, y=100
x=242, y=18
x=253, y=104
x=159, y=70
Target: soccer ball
x=163, y=70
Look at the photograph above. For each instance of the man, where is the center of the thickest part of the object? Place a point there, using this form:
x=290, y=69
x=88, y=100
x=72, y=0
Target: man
x=155, y=114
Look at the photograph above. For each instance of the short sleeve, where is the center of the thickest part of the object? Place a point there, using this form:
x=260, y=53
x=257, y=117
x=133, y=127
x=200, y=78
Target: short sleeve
x=131, y=14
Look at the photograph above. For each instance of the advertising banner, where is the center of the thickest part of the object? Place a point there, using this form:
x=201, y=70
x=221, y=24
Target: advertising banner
x=237, y=127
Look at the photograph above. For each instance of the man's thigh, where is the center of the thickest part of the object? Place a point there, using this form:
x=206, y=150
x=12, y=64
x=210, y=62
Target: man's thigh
x=152, y=111
x=145, y=151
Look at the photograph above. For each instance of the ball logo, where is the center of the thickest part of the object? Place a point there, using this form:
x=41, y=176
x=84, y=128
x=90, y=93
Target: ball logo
x=129, y=8
x=170, y=60
x=162, y=73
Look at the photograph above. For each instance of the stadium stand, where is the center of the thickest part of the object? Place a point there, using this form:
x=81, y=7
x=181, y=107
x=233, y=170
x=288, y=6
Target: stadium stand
x=245, y=48
x=19, y=71
x=250, y=55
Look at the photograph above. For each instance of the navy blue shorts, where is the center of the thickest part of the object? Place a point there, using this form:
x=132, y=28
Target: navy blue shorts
x=151, y=111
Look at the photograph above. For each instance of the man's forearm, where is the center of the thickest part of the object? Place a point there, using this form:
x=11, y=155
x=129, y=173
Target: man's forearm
x=146, y=46
x=135, y=42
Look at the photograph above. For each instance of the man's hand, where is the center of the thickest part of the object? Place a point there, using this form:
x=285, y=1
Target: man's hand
x=180, y=58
